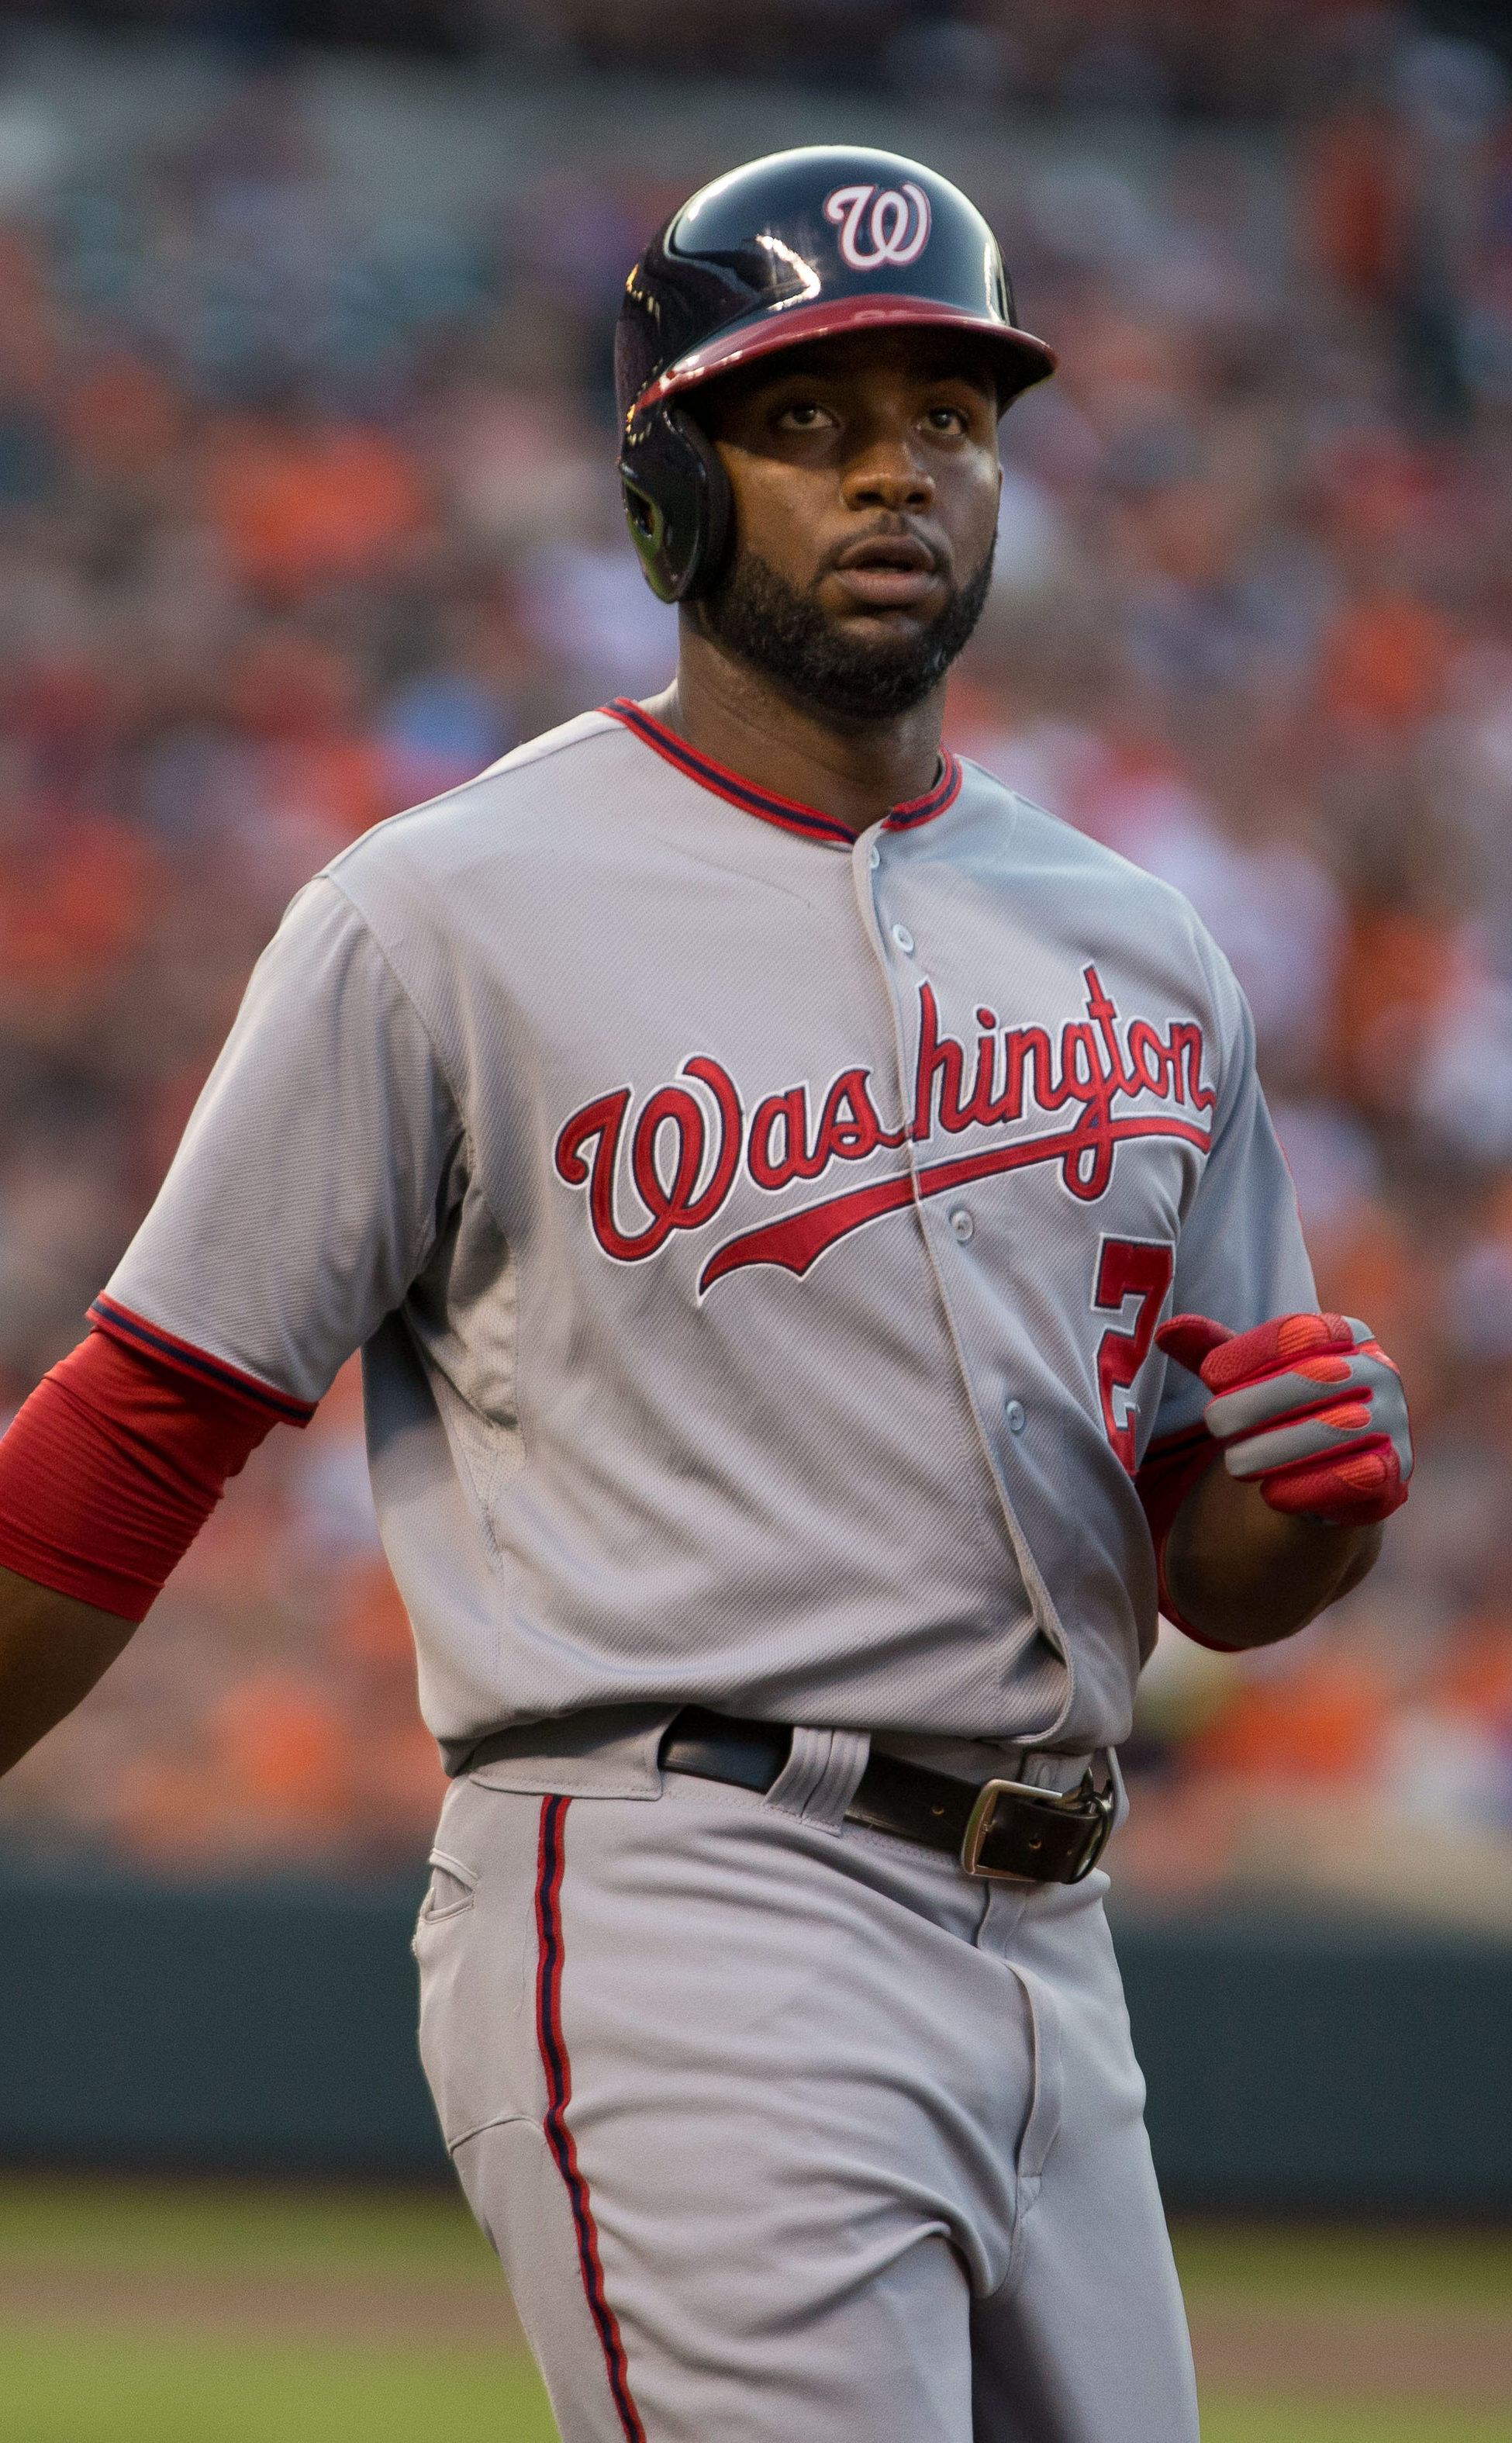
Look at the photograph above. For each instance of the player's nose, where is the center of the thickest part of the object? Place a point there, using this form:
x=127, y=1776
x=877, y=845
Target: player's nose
x=887, y=476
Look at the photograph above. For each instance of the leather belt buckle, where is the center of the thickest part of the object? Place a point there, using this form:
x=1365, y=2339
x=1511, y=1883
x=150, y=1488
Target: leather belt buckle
x=1043, y=1838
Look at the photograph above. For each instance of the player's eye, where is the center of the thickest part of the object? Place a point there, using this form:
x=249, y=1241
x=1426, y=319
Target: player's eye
x=804, y=415
x=946, y=419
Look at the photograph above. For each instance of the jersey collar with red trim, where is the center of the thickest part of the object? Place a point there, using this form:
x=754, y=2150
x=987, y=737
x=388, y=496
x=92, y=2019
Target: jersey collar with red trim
x=788, y=813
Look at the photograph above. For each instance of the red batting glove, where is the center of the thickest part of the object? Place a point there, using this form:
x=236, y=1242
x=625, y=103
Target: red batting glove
x=1309, y=1406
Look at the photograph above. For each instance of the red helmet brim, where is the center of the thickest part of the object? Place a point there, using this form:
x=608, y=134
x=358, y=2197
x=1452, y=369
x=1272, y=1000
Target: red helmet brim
x=1031, y=360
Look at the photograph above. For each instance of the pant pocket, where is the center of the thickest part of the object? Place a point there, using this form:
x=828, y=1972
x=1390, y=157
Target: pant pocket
x=475, y=1944
x=1042, y=2122
x=450, y=1890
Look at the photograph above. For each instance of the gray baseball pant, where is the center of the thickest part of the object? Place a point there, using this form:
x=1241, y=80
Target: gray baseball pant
x=786, y=2130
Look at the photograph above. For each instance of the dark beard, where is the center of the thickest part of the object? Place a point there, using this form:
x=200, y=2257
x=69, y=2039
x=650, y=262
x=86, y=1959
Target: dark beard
x=764, y=620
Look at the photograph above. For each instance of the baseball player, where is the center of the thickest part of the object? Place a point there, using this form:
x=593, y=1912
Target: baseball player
x=761, y=1159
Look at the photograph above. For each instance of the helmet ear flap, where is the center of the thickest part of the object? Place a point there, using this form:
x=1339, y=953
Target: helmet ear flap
x=677, y=503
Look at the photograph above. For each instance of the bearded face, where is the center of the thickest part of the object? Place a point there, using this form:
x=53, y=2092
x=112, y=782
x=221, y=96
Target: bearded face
x=786, y=631
x=863, y=479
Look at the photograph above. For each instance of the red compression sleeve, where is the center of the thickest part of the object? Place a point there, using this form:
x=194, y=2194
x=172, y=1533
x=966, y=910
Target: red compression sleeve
x=111, y=1468
x=1169, y=1471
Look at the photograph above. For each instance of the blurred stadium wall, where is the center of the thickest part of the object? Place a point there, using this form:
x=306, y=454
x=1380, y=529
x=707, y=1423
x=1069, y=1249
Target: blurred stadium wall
x=307, y=510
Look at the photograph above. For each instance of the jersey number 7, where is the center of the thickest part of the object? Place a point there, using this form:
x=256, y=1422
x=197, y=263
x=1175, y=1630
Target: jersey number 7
x=1127, y=1268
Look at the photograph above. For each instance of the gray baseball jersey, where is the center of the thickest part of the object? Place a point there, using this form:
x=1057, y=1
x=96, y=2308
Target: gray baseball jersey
x=755, y=1236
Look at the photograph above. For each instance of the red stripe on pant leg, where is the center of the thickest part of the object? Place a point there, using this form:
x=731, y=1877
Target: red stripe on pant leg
x=558, y=2095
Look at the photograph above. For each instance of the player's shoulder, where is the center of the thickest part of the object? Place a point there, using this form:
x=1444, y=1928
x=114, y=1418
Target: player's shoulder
x=522, y=794
x=1068, y=883
x=1015, y=830
x=1027, y=842
x=601, y=730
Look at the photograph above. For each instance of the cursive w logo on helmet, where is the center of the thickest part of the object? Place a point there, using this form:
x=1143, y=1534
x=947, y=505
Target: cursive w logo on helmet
x=897, y=225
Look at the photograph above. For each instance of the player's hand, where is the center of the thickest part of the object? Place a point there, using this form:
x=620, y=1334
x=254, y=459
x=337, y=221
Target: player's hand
x=1308, y=1406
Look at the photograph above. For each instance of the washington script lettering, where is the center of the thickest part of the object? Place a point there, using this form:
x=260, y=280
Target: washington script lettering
x=684, y=1154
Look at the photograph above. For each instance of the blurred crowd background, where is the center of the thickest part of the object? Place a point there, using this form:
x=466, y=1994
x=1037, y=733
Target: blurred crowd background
x=307, y=512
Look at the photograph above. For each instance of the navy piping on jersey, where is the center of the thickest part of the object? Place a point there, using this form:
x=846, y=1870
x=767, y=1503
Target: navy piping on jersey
x=788, y=813
x=111, y=1317
x=554, y=2060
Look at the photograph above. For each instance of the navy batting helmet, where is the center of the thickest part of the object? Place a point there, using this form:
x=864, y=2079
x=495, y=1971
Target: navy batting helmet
x=799, y=246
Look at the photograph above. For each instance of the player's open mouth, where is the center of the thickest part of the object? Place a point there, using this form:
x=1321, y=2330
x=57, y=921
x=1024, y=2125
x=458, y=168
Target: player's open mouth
x=888, y=572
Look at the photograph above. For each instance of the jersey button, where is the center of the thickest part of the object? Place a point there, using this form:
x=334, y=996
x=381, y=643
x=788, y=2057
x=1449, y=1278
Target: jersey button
x=875, y=858
x=1014, y=1416
x=961, y=1222
x=902, y=937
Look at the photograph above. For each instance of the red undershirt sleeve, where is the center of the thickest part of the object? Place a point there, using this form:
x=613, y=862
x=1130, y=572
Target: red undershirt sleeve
x=1169, y=1471
x=113, y=1465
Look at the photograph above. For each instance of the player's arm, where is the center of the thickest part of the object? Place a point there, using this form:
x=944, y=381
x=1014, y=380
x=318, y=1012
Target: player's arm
x=53, y=1648
x=1241, y=1573
x=106, y=1476
x=1310, y=1453
x=1280, y=1440
x=298, y=1210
